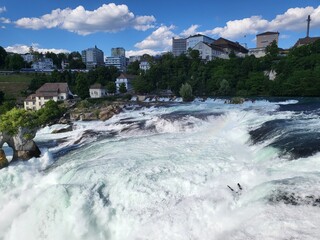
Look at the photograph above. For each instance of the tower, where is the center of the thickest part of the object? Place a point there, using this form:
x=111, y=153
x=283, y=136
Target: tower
x=308, y=28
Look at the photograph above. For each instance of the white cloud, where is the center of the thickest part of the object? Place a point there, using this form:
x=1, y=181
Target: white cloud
x=21, y=49
x=3, y=9
x=4, y=20
x=294, y=19
x=3, y=27
x=192, y=30
x=143, y=51
x=161, y=38
x=107, y=18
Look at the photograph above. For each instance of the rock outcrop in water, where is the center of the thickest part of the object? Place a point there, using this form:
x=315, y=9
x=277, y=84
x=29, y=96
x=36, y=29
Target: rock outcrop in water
x=22, y=145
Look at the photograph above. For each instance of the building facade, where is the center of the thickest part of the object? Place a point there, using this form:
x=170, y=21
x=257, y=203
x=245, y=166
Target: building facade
x=195, y=39
x=47, y=92
x=118, y=52
x=97, y=91
x=28, y=57
x=266, y=38
x=92, y=57
x=43, y=64
x=125, y=79
x=209, y=52
x=118, y=62
x=144, y=65
x=179, y=46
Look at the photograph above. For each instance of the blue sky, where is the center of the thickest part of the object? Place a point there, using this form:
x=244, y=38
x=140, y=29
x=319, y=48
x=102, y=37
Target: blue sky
x=147, y=26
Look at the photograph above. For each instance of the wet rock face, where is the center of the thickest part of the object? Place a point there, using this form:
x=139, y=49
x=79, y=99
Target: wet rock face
x=291, y=198
x=22, y=145
x=3, y=160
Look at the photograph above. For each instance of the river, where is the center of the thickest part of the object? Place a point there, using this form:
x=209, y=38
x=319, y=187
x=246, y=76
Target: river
x=202, y=170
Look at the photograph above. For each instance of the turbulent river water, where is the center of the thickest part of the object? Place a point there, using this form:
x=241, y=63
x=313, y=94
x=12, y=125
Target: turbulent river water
x=172, y=172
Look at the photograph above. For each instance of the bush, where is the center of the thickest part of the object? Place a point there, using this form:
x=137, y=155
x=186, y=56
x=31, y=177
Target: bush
x=186, y=92
x=11, y=121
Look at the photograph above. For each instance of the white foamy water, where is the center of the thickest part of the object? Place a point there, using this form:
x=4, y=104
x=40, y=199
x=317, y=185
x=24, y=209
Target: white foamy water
x=163, y=173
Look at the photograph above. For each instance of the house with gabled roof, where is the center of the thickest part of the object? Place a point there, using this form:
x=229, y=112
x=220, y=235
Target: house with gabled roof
x=230, y=46
x=306, y=41
x=125, y=79
x=48, y=91
x=209, y=52
x=97, y=91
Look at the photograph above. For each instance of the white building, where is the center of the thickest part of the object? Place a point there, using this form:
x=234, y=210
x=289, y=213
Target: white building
x=209, y=52
x=257, y=52
x=97, y=91
x=28, y=57
x=125, y=79
x=195, y=39
x=43, y=64
x=48, y=91
x=144, y=65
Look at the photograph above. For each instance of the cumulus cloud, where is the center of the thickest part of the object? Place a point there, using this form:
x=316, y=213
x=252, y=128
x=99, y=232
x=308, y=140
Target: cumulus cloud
x=294, y=19
x=21, y=49
x=161, y=38
x=3, y=9
x=5, y=20
x=107, y=18
x=192, y=30
x=143, y=51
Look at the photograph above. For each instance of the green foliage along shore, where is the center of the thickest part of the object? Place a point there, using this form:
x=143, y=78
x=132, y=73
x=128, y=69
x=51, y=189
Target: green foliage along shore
x=298, y=74
x=12, y=120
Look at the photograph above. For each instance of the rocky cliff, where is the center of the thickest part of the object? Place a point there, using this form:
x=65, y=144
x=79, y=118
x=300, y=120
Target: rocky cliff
x=22, y=145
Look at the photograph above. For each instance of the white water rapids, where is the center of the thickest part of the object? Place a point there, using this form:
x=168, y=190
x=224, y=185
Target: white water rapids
x=163, y=173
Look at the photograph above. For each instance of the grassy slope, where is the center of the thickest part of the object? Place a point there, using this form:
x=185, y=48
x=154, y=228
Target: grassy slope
x=13, y=85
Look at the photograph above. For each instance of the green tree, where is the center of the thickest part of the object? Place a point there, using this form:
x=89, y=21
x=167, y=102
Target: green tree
x=11, y=121
x=224, y=89
x=14, y=62
x=82, y=86
x=111, y=87
x=186, y=92
x=50, y=112
x=1, y=97
x=134, y=68
x=122, y=88
x=272, y=49
x=3, y=55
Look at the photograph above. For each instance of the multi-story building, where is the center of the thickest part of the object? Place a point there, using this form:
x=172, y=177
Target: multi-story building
x=179, y=46
x=118, y=52
x=43, y=64
x=117, y=59
x=48, y=91
x=266, y=38
x=118, y=62
x=195, y=39
x=92, y=57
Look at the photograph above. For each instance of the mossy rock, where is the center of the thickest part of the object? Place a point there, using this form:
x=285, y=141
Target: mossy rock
x=3, y=160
